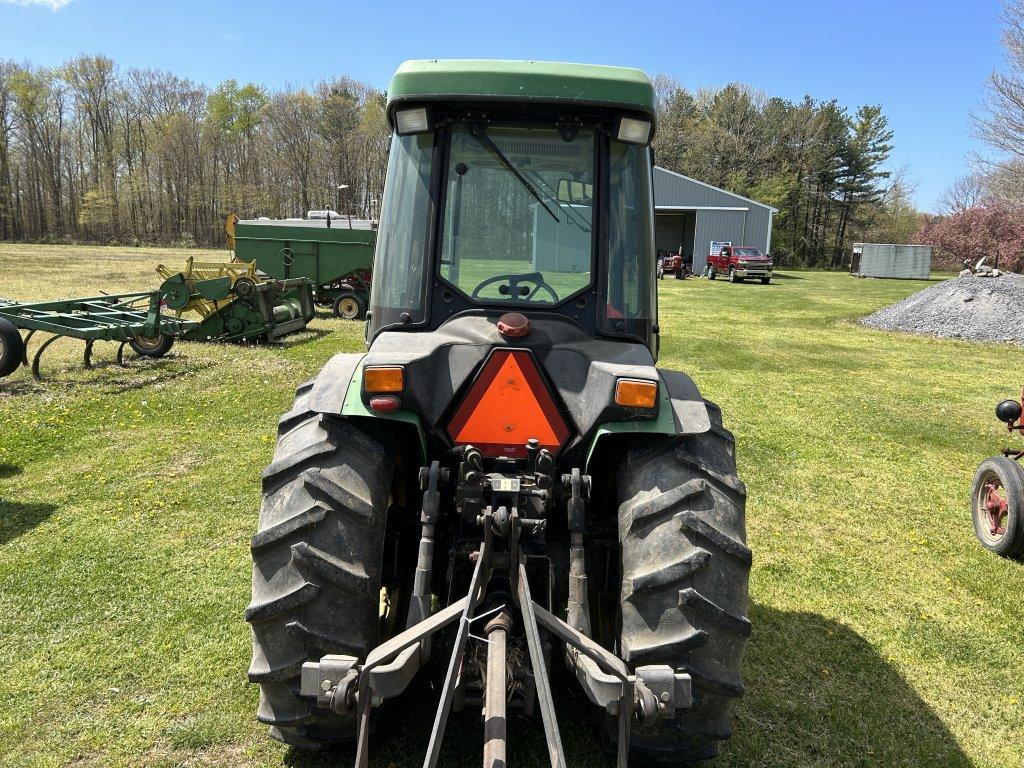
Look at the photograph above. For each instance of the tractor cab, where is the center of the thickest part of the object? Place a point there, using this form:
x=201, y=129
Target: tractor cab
x=518, y=187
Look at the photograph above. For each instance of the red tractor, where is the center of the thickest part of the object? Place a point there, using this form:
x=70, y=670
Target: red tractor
x=672, y=261
x=997, y=497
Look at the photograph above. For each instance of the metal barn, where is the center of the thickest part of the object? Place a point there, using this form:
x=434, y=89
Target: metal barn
x=690, y=215
x=910, y=262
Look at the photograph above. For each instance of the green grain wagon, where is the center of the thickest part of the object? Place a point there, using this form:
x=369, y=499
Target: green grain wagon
x=337, y=254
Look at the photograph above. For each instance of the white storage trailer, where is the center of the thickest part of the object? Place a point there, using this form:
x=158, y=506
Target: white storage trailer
x=909, y=262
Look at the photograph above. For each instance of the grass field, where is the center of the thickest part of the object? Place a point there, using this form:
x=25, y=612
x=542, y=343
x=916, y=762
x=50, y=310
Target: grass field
x=884, y=635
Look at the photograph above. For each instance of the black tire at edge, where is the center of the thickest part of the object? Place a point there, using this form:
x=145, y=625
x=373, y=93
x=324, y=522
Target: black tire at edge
x=1011, y=474
x=12, y=351
x=316, y=564
x=685, y=570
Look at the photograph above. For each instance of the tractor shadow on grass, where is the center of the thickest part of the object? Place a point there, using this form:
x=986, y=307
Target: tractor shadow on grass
x=17, y=518
x=817, y=694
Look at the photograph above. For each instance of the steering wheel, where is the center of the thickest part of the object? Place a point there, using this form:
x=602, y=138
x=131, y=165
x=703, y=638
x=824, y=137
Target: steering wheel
x=513, y=289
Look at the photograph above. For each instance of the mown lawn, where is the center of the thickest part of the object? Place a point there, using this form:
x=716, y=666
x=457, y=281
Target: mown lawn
x=884, y=635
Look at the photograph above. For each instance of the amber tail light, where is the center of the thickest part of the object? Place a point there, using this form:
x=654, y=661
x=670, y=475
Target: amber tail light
x=636, y=393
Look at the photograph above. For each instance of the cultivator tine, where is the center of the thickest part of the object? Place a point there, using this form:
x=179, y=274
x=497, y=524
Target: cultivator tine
x=540, y=673
x=87, y=356
x=120, y=354
x=24, y=354
x=455, y=663
x=39, y=354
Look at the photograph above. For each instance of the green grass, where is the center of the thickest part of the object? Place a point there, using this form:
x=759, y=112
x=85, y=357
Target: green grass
x=884, y=635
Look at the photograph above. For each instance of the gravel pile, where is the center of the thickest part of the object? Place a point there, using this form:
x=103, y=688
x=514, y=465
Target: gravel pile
x=968, y=307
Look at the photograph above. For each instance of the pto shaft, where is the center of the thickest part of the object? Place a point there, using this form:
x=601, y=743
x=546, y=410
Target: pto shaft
x=495, y=695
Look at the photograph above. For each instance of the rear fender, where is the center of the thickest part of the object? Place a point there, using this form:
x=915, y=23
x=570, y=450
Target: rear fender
x=337, y=391
x=681, y=411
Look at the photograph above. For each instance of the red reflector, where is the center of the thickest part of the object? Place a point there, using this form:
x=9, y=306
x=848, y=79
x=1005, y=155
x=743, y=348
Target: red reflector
x=385, y=403
x=507, y=405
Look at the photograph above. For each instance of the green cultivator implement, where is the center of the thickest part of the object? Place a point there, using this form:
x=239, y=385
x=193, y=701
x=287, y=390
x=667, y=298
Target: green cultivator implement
x=506, y=479
x=205, y=302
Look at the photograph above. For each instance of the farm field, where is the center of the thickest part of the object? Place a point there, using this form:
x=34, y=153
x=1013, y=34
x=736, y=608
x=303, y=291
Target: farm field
x=883, y=633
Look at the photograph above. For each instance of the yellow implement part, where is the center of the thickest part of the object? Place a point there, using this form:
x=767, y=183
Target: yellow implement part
x=229, y=230
x=196, y=271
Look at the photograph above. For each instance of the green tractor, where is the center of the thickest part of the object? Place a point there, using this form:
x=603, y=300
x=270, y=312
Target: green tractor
x=505, y=479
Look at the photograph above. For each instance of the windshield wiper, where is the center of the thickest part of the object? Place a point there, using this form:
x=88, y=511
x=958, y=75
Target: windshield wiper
x=483, y=138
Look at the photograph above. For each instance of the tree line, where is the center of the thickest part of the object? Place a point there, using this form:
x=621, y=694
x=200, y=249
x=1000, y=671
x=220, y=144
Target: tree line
x=824, y=168
x=90, y=152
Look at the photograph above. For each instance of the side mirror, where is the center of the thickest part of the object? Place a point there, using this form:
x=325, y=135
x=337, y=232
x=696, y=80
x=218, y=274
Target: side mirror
x=1008, y=411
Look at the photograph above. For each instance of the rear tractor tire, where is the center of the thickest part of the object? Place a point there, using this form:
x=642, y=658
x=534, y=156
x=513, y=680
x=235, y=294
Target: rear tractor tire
x=316, y=575
x=685, y=568
x=12, y=348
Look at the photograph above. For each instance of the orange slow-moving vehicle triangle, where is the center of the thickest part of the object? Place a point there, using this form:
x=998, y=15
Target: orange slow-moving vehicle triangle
x=507, y=405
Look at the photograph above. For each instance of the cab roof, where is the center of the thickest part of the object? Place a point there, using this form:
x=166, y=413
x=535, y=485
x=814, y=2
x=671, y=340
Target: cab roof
x=432, y=80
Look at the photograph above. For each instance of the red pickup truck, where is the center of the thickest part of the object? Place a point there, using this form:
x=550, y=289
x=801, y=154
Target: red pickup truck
x=740, y=262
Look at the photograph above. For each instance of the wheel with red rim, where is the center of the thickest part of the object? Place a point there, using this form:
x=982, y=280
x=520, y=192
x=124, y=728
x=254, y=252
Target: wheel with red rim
x=997, y=506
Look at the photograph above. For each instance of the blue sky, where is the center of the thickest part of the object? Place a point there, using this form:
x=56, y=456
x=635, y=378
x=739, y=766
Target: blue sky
x=924, y=62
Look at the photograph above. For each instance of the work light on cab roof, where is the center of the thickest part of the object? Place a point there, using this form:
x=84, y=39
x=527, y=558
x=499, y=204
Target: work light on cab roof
x=507, y=453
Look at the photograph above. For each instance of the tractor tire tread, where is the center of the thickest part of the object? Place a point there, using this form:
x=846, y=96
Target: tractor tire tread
x=274, y=534
x=316, y=563
x=672, y=573
x=685, y=571
x=727, y=620
x=281, y=469
x=283, y=603
x=328, y=491
x=694, y=522
x=322, y=640
x=345, y=576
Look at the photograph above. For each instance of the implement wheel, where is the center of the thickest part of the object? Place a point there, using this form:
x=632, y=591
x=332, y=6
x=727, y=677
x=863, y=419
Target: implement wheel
x=685, y=567
x=348, y=306
x=997, y=506
x=152, y=346
x=317, y=558
x=12, y=348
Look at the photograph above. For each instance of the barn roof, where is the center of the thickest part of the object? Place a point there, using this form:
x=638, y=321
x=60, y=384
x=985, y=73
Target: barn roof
x=675, y=191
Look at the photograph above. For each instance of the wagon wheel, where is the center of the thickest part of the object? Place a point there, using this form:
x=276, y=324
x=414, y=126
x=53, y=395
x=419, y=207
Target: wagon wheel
x=997, y=505
x=152, y=346
x=348, y=306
